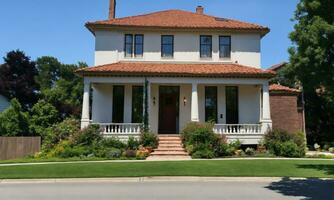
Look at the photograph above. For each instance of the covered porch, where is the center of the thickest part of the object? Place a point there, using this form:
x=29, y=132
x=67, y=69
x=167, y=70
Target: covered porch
x=239, y=107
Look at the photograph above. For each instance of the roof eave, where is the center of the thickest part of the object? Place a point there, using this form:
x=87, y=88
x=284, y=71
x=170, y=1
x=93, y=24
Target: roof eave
x=92, y=27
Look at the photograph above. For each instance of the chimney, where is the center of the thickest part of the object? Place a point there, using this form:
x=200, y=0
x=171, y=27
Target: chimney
x=200, y=10
x=112, y=9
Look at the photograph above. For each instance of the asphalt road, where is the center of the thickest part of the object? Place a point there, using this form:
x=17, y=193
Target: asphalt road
x=313, y=189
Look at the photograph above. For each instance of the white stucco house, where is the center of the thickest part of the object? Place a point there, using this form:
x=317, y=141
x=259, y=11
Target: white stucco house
x=4, y=103
x=195, y=67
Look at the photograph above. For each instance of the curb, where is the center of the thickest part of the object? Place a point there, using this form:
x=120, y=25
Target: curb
x=154, y=179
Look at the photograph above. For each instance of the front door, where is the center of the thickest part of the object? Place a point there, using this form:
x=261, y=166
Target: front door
x=168, y=109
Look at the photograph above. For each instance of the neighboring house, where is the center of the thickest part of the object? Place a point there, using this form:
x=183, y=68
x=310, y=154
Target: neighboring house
x=194, y=67
x=4, y=103
x=287, y=109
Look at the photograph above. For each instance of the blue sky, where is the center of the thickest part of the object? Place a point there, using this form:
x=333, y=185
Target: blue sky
x=56, y=27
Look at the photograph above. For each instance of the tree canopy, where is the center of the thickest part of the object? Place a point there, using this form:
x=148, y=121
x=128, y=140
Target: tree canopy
x=17, y=78
x=312, y=64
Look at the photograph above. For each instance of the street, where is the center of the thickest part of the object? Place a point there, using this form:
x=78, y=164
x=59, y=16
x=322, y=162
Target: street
x=158, y=189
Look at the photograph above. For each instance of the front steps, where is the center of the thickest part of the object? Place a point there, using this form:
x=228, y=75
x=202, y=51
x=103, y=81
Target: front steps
x=170, y=148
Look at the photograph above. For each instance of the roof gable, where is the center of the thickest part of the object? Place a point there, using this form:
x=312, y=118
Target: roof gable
x=178, y=19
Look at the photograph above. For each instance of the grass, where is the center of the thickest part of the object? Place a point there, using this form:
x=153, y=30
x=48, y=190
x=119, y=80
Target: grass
x=237, y=168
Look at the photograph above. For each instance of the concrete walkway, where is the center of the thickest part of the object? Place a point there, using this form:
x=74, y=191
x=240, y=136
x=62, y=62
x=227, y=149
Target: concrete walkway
x=130, y=161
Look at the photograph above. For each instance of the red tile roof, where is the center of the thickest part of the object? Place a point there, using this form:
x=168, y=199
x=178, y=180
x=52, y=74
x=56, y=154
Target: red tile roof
x=176, y=69
x=278, y=66
x=178, y=19
x=281, y=88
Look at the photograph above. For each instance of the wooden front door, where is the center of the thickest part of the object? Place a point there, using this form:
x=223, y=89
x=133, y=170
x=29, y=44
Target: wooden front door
x=168, y=109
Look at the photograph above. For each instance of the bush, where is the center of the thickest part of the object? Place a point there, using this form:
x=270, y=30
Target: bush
x=142, y=154
x=59, y=132
x=113, y=153
x=132, y=144
x=112, y=142
x=43, y=116
x=14, y=121
x=149, y=140
x=250, y=151
x=130, y=153
x=224, y=149
x=283, y=143
x=331, y=149
x=203, y=153
x=87, y=136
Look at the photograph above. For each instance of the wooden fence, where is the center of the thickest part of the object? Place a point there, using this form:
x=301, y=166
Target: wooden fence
x=18, y=147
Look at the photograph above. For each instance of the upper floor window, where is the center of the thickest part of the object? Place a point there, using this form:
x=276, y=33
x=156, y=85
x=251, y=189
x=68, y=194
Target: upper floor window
x=225, y=46
x=128, y=46
x=167, y=46
x=206, y=46
x=134, y=45
x=139, y=45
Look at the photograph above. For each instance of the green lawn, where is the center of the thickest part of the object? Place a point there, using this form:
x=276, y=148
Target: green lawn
x=258, y=168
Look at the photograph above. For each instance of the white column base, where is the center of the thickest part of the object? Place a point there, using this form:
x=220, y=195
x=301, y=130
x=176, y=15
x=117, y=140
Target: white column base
x=84, y=123
x=266, y=126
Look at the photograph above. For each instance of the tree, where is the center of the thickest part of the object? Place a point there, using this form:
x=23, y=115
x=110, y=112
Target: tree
x=43, y=116
x=14, y=121
x=60, y=86
x=17, y=78
x=312, y=64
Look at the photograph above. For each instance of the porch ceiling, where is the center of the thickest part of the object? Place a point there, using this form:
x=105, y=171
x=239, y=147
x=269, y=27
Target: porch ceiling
x=176, y=70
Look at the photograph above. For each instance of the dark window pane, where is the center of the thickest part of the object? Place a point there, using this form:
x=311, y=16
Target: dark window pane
x=118, y=104
x=211, y=104
x=224, y=46
x=232, y=107
x=137, y=104
x=167, y=46
x=128, y=46
x=205, y=46
x=139, y=45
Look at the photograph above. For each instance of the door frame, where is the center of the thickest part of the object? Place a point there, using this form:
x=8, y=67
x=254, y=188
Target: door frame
x=177, y=93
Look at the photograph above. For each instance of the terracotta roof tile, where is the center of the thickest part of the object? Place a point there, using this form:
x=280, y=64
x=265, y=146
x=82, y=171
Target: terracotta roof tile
x=179, y=19
x=281, y=88
x=176, y=69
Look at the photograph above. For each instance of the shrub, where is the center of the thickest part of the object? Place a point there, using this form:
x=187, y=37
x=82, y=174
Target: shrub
x=290, y=149
x=149, y=140
x=14, y=121
x=224, y=149
x=203, y=153
x=331, y=149
x=113, y=153
x=132, y=144
x=199, y=133
x=130, y=153
x=87, y=136
x=112, y=142
x=250, y=151
x=283, y=143
x=43, y=116
x=142, y=154
x=317, y=147
x=59, y=132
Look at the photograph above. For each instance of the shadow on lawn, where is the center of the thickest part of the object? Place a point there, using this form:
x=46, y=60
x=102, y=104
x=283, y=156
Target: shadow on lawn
x=308, y=189
x=328, y=169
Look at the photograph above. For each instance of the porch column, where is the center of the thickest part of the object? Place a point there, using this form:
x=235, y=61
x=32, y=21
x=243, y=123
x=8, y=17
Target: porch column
x=85, y=106
x=194, y=103
x=266, y=118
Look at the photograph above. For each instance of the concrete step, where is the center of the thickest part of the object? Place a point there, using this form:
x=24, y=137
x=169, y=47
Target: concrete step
x=165, y=157
x=170, y=149
x=170, y=146
x=169, y=139
x=169, y=153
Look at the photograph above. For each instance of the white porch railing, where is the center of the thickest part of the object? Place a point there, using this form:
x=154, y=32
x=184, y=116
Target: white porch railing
x=229, y=129
x=120, y=128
